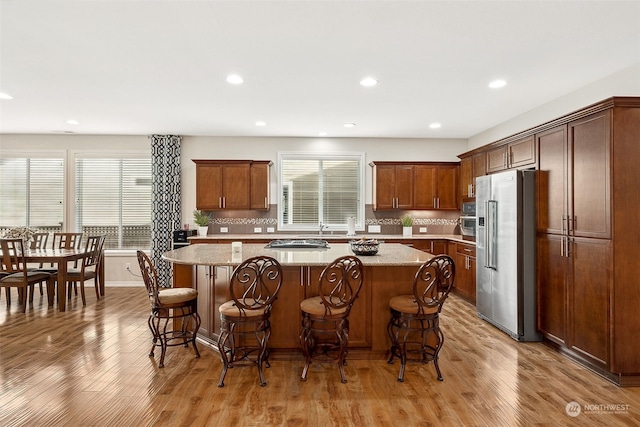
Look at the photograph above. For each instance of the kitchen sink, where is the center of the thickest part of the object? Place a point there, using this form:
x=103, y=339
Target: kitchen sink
x=298, y=243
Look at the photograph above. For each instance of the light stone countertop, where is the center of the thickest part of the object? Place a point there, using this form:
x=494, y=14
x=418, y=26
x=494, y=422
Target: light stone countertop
x=389, y=254
x=328, y=237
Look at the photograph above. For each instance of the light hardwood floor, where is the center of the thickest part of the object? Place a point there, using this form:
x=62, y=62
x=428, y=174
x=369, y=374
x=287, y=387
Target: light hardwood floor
x=89, y=366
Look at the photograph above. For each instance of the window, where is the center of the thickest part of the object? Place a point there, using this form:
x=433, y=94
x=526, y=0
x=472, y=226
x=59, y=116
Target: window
x=113, y=197
x=320, y=189
x=32, y=193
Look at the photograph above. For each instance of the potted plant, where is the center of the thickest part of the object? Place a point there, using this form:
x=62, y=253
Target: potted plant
x=407, y=225
x=202, y=221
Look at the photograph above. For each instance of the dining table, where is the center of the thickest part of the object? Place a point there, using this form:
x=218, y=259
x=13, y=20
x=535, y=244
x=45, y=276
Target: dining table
x=62, y=257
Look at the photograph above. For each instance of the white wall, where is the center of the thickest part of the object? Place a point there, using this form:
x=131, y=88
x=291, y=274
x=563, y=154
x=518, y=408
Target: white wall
x=623, y=83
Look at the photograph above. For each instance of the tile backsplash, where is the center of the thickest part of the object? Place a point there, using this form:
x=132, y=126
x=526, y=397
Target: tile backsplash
x=247, y=222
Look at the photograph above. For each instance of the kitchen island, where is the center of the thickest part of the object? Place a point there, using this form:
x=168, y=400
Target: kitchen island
x=208, y=267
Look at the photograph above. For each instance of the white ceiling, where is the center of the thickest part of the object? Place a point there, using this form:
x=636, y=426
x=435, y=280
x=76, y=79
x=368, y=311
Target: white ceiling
x=141, y=67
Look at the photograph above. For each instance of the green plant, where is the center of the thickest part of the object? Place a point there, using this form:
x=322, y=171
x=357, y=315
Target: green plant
x=406, y=221
x=201, y=219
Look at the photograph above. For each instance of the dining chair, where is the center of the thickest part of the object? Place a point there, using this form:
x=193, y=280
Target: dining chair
x=15, y=273
x=38, y=241
x=170, y=307
x=414, y=328
x=89, y=267
x=245, y=326
x=62, y=240
x=325, y=317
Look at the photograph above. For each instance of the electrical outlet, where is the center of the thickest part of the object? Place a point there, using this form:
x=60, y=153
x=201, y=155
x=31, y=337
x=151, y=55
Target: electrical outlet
x=128, y=267
x=271, y=230
x=423, y=229
x=373, y=229
x=224, y=229
x=257, y=229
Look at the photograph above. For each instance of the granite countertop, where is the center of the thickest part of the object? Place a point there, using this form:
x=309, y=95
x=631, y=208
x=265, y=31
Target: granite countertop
x=329, y=237
x=390, y=254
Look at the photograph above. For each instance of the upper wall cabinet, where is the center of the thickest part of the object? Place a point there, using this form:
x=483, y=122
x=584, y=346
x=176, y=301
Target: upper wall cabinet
x=392, y=185
x=512, y=155
x=471, y=167
x=415, y=185
x=231, y=184
x=435, y=186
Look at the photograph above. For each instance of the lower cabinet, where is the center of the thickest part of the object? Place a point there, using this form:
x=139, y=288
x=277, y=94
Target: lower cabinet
x=465, y=261
x=574, y=291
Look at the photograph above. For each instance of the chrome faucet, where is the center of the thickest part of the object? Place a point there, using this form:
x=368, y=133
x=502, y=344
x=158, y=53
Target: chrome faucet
x=322, y=227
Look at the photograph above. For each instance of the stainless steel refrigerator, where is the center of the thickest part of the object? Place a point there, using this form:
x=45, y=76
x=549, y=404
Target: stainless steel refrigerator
x=505, y=250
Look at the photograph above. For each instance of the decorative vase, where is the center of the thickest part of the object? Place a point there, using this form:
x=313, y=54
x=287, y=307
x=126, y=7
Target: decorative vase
x=407, y=231
x=202, y=231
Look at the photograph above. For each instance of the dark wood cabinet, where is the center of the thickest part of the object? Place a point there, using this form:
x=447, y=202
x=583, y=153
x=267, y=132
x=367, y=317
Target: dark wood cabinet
x=232, y=184
x=260, y=185
x=436, y=187
x=419, y=186
x=586, y=266
x=465, y=261
x=392, y=186
x=471, y=167
x=519, y=153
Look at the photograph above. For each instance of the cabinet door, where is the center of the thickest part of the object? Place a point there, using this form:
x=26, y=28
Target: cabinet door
x=497, y=159
x=479, y=166
x=384, y=187
x=552, y=279
x=522, y=152
x=236, y=186
x=447, y=187
x=438, y=247
x=589, y=296
x=404, y=186
x=208, y=186
x=466, y=177
x=589, y=145
x=425, y=187
x=204, y=285
x=552, y=181
x=260, y=186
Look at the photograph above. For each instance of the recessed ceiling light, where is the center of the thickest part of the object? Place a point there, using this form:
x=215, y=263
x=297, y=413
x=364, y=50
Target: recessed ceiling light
x=349, y=125
x=497, y=84
x=368, y=81
x=435, y=125
x=73, y=122
x=5, y=96
x=234, y=79
x=261, y=123
x=322, y=134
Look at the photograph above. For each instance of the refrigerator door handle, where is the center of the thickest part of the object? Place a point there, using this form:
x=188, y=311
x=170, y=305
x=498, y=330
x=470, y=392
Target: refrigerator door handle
x=491, y=208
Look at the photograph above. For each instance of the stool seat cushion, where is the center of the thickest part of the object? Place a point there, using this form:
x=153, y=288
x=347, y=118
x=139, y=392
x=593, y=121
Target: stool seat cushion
x=315, y=307
x=176, y=295
x=407, y=304
x=229, y=308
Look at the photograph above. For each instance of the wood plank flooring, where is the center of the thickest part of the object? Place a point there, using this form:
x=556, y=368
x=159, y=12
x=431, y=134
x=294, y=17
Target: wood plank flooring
x=89, y=366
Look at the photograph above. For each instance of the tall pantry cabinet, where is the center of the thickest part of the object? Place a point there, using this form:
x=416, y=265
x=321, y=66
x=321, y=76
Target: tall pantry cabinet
x=588, y=229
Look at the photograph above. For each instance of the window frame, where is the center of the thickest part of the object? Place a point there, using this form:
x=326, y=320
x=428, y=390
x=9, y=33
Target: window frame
x=93, y=154
x=351, y=156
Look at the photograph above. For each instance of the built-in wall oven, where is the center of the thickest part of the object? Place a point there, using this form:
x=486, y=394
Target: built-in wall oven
x=180, y=238
x=468, y=218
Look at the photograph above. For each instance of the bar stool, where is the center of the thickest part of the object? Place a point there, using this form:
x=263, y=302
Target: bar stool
x=414, y=328
x=325, y=317
x=253, y=288
x=169, y=307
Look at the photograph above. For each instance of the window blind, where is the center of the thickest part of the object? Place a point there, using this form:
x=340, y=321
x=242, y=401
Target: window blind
x=113, y=197
x=316, y=190
x=32, y=193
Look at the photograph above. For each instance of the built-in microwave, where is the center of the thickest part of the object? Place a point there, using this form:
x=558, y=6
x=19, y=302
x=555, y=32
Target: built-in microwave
x=468, y=225
x=469, y=206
